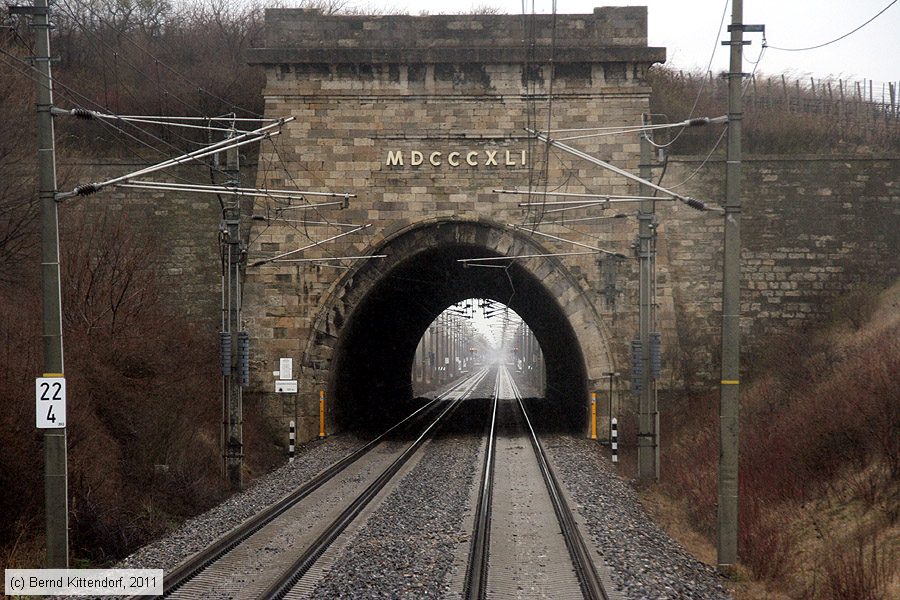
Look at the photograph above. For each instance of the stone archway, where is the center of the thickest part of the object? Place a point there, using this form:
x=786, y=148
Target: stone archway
x=424, y=132
x=363, y=339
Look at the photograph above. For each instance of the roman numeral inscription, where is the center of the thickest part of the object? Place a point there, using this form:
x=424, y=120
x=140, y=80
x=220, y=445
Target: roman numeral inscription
x=457, y=158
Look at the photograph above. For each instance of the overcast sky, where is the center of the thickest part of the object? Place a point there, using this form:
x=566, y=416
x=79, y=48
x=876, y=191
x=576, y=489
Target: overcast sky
x=688, y=29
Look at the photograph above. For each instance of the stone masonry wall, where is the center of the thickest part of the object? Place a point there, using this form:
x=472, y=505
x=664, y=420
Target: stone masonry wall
x=184, y=228
x=607, y=27
x=813, y=228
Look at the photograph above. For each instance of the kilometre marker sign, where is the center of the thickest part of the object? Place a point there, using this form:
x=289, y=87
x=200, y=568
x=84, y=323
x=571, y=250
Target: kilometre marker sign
x=50, y=401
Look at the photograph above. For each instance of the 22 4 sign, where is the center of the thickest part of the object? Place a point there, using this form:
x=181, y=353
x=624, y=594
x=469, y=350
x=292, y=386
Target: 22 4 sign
x=50, y=397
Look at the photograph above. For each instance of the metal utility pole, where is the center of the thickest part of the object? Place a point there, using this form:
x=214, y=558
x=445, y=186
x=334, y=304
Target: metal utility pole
x=648, y=439
x=731, y=307
x=420, y=359
x=55, y=460
x=234, y=443
x=609, y=402
x=432, y=355
x=454, y=345
x=442, y=348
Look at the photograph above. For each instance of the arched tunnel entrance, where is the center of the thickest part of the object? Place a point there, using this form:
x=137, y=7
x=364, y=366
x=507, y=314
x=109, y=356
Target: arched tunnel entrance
x=397, y=300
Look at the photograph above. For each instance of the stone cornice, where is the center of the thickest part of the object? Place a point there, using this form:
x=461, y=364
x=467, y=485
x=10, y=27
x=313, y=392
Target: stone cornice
x=563, y=55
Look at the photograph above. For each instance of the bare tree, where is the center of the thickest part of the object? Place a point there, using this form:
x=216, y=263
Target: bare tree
x=18, y=197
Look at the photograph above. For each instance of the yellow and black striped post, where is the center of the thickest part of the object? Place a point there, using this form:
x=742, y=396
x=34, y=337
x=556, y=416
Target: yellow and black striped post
x=321, y=413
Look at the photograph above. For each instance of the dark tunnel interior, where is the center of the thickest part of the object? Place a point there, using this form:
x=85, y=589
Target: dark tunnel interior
x=371, y=379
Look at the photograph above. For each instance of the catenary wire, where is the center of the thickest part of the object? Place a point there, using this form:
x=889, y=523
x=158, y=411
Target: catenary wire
x=712, y=57
x=837, y=39
x=77, y=97
x=64, y=6
x=702, y=164
x=117, y=132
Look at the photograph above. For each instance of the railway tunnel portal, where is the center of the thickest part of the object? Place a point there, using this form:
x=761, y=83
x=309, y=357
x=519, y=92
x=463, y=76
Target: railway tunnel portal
x=392, y=302
x=422, y=118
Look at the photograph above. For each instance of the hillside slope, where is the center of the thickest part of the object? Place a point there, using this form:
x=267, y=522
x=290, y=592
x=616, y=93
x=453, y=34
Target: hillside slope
x=820, y=460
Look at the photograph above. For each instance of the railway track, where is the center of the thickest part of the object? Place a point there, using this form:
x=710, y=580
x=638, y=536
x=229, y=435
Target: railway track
x=524, y=544
x=258, y=558
x=437, y=528
x=525, y=541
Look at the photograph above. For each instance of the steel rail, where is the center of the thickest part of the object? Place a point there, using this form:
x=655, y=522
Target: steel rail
x=305, y=561
x=477, y=570
x=189, y=569
x=591, y=585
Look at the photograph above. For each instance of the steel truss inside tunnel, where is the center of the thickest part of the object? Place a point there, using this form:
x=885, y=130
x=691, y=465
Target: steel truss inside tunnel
x=385, y=308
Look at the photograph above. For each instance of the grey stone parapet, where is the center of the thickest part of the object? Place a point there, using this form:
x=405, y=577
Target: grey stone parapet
x=609, y=34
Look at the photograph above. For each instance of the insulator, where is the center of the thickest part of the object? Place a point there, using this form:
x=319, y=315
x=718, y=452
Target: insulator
x=637, y=366
x=698, y=121
x=655, y=355
x=81, y=113
x=694, y=203
x=85, y=189
x=225, y=352
x=243, y=348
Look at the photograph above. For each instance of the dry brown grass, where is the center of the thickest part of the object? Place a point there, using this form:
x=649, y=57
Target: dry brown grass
x=819, y=458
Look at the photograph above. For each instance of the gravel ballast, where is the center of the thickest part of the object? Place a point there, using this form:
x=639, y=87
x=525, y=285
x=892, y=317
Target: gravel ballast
x=645, y=563
x=200, y=531
x=410, y=542
x=407, y=546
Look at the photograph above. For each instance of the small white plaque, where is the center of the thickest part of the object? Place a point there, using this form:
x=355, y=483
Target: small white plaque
x=286, y=368
x=50, y=400
x=286, y=387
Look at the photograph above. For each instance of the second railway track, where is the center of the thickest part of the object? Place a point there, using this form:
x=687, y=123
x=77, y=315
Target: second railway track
x=525, y=542
x=265, y=556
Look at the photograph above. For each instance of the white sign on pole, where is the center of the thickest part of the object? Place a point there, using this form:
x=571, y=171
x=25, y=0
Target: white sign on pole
x=286, y=387
x=286, y=368
x=50, y=400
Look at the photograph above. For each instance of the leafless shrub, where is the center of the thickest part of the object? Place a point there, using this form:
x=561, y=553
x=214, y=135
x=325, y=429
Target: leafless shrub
x=812, y=424
x=18, y=195
x=781, y=116
x=767, y=544
x=148, y=388
x=143, y=391
x=859, y=570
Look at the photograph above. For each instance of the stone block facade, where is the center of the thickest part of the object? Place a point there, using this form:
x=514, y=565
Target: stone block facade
x=813, y=228
x=422, y=118
x=182, y=228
